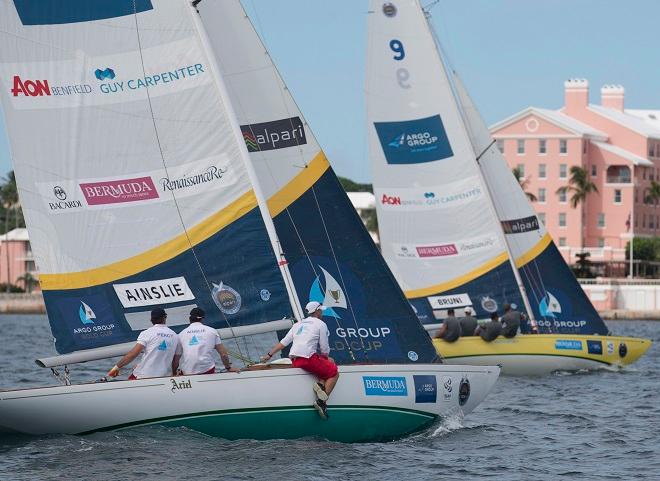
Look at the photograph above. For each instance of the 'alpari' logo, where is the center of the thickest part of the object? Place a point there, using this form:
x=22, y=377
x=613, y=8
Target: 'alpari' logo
x=86, y=314
x=107, y=73
x=549, y=306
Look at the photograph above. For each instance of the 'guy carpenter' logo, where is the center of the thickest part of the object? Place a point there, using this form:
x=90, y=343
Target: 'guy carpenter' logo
x=414, y=141
x=107, y=73
x=119, y=191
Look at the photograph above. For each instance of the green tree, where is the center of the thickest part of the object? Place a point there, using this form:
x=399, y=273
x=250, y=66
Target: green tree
x=352, y=186
x=579, y=186
x=29, y=281
x=517, y=173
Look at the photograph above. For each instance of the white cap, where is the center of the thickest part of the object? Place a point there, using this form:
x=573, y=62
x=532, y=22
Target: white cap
x=314, y=306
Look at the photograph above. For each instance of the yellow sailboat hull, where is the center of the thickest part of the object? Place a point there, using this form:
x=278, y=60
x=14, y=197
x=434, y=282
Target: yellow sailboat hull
x=539, y=354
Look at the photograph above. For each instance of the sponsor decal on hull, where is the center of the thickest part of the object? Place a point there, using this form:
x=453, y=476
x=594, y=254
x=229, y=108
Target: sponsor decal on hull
x=385, y=386
x=426, y=388
x=568, y=344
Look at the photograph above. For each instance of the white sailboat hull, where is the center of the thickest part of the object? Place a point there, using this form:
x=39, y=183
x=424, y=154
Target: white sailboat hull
x=370, y=403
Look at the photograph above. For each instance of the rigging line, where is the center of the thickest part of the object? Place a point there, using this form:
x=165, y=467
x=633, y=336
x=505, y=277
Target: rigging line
x=162, y=156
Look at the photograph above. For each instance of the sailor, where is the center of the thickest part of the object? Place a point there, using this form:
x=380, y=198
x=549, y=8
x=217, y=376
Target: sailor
x=450, y=330
x=491, y=329
x=158, y=346
x=198, y=342
x=307, y=336
x=468, y=323
x=510, y=321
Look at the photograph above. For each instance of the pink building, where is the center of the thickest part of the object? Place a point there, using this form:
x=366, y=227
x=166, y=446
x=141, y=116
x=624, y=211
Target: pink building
x=16, y=258
x=619, y=148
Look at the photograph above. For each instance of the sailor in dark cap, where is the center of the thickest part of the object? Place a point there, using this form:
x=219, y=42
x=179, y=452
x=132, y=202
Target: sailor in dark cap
x=158, y=346
x=198, y=341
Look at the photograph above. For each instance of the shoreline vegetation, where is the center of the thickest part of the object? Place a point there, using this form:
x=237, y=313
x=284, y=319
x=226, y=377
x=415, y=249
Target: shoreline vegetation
x=19, y=303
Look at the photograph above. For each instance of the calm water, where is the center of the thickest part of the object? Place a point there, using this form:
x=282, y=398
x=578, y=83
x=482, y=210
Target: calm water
x=597, y=426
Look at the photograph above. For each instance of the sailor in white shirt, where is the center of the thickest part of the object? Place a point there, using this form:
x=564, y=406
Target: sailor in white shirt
x=308, y=336
x=198, y=343
x=158, y=346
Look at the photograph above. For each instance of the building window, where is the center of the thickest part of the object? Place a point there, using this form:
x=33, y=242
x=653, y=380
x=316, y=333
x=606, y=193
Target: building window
x=521, y=146
x=601, y=220
x=644, y=221
x=601, y=242
x=618, y=174
x=500, y=145
x=563, y=146
x=541, y=171
x=563, y=171
x=617, y=196
x=542, y=147
x=651, y=220
x=562, y=242
x=541, y=195
x=562, y=219
x=594, y=170
x=644, y=172
x=585, y=147
x=541, y=216
x=562, y=195
x=651, y=150
x=521, y=170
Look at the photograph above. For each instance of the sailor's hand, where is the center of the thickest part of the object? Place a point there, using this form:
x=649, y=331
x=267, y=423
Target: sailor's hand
x=266, y=357
x=114, y=372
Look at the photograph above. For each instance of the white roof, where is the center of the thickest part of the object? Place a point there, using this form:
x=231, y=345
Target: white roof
x=632, y=122
x=20, y=234
x=635, y=159
x=651, y=117
x=555, y=117
x=362, y=200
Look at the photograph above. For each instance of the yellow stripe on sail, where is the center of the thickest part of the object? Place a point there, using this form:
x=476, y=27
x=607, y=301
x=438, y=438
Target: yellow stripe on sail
x=534, y=252
x=445, y=286
x=300, y=184
x=156, y=255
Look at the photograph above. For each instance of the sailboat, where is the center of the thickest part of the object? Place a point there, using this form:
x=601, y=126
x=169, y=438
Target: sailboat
x=456, y=228
x=162, y=167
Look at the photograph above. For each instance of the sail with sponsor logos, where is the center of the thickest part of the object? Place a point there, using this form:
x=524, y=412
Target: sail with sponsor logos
x=133, y=187
x=437, y=227
x=455, y=226
x=332, y=258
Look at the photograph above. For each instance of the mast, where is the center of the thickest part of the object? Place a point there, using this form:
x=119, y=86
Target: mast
x=245, y=156
x=477, y=157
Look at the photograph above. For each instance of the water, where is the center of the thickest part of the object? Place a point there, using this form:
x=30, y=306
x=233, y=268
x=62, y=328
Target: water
x=599, y=426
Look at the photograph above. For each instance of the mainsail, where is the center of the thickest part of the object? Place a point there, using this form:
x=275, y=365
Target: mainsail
x=438, y=230
x=449, y=188
x=332, y=257
x=130, y=172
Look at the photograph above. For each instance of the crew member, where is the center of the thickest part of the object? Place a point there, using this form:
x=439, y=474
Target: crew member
x=450, y=330
x=491, y=329
x=510, y=321
x=307, y=336
x=468, y=323
x=198, y=342
x=158, y=346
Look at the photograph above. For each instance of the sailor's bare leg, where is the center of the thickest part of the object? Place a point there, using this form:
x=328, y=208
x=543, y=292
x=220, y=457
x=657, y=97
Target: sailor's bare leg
x=330, y=384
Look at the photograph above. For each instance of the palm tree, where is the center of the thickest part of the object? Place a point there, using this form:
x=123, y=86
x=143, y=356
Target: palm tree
x=579, y=187
x=653, y=193
x=10, y=202
x=29, y=281
x=523, y=183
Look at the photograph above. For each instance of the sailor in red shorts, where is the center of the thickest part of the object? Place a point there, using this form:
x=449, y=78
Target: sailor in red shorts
x=308, y=336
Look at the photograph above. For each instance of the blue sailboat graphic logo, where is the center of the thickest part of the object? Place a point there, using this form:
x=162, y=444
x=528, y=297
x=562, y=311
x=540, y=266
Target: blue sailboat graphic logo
x=549, y=306
x=86, y=314
x=332, y=296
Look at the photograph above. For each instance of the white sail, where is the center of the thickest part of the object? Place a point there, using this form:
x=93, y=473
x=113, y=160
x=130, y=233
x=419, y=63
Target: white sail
x=438, y=230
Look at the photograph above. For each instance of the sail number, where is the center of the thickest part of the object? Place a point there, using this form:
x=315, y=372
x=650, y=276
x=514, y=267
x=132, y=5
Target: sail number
x=402, y=74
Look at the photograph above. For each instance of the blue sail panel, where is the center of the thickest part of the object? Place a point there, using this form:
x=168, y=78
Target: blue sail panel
x=241, y=285
x=485, y=294
x=54, y=12
x=559, y=303
x=370, y=321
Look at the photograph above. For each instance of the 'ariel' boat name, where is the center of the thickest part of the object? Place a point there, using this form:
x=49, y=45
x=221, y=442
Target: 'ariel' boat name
x=184, y=384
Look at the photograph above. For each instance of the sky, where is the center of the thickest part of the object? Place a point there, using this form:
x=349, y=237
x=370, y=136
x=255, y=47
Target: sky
x=510, y=54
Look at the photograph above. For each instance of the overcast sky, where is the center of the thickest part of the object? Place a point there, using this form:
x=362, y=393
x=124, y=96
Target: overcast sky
x=510, y=54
